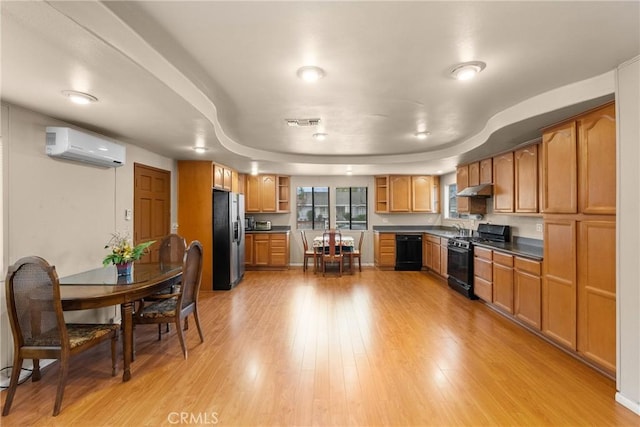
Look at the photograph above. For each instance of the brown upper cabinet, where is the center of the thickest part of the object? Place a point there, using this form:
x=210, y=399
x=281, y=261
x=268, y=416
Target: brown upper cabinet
x=474, y=174
x=526, y=179
x=597, y=157
x=503, y=183
x=579, y=164
x=471, y=205
x=263, y=193
x=223, y=177
x=486, y=171
x=400, y=193
x=407, y=194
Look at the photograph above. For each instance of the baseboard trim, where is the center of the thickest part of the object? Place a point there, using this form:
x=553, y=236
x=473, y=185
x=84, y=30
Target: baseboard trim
x=628, y=403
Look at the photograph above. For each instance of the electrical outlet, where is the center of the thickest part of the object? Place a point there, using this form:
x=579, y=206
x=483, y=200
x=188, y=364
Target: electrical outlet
x=539, y=228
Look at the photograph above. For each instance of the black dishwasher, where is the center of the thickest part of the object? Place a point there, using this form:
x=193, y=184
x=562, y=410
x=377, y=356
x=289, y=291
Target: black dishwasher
x=409, y=252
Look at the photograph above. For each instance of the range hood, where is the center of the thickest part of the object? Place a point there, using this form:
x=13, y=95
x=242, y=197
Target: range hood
x=482, y=190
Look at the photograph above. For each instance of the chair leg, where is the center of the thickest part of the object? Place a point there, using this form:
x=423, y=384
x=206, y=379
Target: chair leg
x=13, y=384
x=181, y=337
x=35, y=375
x=304, y=263
x=360, y=264
x=197, y=319
x=159, y=331
x=62, y=381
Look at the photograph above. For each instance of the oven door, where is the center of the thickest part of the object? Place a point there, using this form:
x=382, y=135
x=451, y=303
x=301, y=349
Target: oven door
x=458, y=264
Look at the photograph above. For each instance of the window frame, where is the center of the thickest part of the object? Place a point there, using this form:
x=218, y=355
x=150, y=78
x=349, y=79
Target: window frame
x=351, y=208
x=315, y=223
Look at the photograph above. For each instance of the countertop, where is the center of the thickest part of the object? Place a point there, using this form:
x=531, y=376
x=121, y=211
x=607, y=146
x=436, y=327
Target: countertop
x=274, y=229
x=520, y=246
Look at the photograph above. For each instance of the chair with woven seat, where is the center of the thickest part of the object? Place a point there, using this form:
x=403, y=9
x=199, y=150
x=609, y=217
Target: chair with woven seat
x=332, y=252
x=308, y=253
x=39, y=329
x=172, y=251
x=175, y=307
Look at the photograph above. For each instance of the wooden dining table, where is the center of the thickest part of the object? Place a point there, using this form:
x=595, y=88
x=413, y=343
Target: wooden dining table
x=319, y=243
x=102, y=287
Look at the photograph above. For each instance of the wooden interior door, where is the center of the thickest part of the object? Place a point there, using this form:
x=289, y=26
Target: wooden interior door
x=151, y=207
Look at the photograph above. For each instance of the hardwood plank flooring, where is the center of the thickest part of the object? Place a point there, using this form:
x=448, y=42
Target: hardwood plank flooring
x=293, y=348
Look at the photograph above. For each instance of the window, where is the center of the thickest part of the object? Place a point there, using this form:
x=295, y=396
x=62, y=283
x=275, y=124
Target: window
x=351, y=208
x=452, y=203
x=312, y=206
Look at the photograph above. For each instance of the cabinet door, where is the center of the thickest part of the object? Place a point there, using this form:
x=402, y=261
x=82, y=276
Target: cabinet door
x=526, y=177
x=268, y=192
x=503, y=183
x=486, y=171
x=400, y=193
x=597, y=154
x=429, y=255
x=503, y=281
x=218, y=176
x=559, y=281
x=527, y=292
x=227, y=179
x=261, y=249
x=462, y=182
x=474, y=174
x=421, y=189
x=435, y=257
x=387, y=250
x=559, y=169
x=248, y=249
x=444, y=258
x=252, y=193
x=376, y=249
x=597, y=292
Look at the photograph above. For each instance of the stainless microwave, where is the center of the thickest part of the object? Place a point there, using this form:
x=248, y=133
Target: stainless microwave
x=262, y=225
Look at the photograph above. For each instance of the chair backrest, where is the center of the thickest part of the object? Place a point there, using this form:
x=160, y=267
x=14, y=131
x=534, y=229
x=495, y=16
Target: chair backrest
x=333, y=243
x=360, y=241
x=191, y=275
x=34, y=305
x=172, y=249
x=305, y=244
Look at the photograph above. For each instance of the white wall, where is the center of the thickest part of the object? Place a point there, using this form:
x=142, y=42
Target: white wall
x=628, y=245
x=62, y=211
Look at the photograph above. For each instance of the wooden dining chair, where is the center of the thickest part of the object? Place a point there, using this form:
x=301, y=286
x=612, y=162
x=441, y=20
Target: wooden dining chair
x=39, y=329
x=332, y=253
x=308, y=253
x=175, y=307
x=357, y=253
x=173, y=248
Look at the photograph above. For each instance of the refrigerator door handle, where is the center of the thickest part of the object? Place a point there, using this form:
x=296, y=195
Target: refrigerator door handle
x=240, y=230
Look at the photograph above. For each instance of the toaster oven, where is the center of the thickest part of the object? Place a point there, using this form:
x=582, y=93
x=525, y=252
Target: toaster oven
x=262, y=225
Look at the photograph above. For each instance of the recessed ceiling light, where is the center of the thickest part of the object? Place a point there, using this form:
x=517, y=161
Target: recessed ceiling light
x=79, y=97
x=200, y=150
x=467, y=70
x=349, y=173
x=422, y=135
x=320, y=136
x=310, y=73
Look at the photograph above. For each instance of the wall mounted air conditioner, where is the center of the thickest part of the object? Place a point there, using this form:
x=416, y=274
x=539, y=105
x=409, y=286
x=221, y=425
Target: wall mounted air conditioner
x=71, y=144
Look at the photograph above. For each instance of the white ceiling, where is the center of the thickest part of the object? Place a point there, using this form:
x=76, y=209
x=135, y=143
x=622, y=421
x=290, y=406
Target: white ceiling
x=168, y=74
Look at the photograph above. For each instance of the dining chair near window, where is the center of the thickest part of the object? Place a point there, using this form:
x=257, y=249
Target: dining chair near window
x=39, y=329
x=332, y=253
x=308, y=253
x=357, y=253
x=175, y=307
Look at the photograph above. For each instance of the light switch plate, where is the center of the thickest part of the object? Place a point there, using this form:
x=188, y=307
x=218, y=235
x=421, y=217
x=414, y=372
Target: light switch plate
x=127, y=214
x=539, y=228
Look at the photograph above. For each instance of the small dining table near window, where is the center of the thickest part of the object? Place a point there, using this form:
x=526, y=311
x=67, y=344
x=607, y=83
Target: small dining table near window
x=346, y=242
x=102, y=287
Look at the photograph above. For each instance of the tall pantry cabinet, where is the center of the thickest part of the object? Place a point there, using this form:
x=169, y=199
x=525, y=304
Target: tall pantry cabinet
x=578, y=200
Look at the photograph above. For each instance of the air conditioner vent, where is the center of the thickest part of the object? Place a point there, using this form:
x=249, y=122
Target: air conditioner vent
x=299, y=123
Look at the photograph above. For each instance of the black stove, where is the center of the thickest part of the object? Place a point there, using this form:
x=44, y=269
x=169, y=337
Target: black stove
x=460, y=255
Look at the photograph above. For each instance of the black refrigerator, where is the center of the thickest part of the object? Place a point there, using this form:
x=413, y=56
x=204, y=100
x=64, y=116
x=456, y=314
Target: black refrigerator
x=228, y=239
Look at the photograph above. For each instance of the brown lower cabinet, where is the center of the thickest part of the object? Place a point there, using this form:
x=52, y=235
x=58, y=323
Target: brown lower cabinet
x=435, y=254
x=503, y=281
x=483, y=273
x=527, y=291
x=384, y=250
x=267, y=251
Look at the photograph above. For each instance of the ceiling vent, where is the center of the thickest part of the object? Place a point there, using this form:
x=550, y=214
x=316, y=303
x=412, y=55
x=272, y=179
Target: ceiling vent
x=301, y=123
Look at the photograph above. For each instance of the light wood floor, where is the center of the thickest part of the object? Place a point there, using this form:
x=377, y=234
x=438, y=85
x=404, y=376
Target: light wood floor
x=292, y=348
